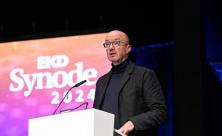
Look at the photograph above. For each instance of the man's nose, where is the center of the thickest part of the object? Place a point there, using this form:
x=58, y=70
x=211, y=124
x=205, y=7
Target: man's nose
x=111, y=46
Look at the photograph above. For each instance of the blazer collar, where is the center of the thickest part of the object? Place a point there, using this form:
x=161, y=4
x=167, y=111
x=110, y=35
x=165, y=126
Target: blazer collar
x=126, y=76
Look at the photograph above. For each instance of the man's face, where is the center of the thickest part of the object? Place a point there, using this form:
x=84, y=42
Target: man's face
x=117, y=48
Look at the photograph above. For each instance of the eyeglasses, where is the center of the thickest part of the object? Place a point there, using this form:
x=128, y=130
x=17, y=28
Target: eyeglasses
x=107, y=44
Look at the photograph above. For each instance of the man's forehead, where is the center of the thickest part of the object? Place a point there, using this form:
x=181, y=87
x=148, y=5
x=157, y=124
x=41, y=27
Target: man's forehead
x=115, y=39
x=117, y=35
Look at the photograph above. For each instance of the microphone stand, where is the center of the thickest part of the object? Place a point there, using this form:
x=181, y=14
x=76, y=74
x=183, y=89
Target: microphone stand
x=76, y=85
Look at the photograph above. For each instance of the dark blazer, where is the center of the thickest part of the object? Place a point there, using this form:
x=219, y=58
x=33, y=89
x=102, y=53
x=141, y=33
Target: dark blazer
x=141, y=99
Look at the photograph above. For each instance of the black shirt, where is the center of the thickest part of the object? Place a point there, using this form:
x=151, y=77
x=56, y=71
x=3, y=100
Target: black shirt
x=110, y=102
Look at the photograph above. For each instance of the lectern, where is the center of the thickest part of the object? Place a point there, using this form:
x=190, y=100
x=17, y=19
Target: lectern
x=90, y=122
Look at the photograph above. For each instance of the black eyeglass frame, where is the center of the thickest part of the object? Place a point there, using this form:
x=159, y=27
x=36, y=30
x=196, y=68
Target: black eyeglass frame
x=114, y=43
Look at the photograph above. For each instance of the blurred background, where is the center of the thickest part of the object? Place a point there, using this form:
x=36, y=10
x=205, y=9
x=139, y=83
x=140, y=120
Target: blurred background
x=181, y=41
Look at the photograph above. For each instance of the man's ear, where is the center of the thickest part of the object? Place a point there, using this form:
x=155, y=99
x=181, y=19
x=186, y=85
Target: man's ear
x=128, y=48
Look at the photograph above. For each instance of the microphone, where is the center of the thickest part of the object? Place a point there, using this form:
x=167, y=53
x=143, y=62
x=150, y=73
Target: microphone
x=80, y=83
x=76, y=85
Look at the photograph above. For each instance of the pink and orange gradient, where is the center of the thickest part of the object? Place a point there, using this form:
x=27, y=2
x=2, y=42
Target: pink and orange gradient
x=19, y=73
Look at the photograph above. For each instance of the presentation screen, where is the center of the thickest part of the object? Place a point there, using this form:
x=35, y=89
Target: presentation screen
x=36, y=74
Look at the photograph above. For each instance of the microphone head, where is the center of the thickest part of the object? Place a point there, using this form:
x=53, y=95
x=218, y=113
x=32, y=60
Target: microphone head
x=80, y=83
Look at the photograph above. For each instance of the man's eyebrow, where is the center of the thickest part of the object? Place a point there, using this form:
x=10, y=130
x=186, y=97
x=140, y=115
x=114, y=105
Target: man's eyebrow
x=117, y=39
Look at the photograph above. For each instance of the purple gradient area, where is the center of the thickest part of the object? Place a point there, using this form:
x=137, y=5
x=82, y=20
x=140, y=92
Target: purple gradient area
x=3, y=107
x=14, y=130
x=16, y=109
x=14, y=115
x=2, y=120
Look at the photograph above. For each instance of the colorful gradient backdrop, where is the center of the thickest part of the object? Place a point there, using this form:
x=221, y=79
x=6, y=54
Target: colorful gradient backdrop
x=19, y=68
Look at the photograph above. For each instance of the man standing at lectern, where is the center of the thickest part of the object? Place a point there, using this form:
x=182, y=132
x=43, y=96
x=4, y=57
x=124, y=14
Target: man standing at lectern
x=132, y=93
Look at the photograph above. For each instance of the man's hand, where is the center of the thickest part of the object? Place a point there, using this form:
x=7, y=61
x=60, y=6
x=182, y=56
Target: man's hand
x=127, y=128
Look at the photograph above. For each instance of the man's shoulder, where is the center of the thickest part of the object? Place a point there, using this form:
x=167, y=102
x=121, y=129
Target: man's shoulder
x=106, y=75
x=139, y=68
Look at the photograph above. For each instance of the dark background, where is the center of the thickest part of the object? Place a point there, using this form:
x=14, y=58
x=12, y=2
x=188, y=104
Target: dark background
x=144, y=22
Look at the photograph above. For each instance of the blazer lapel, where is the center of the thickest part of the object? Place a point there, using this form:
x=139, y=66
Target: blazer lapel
x=127, y=74
x=103, y=87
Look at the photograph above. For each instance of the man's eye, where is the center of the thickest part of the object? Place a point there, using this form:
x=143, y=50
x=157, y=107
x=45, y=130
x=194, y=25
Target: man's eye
x=108, y=43
x=116, y=42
